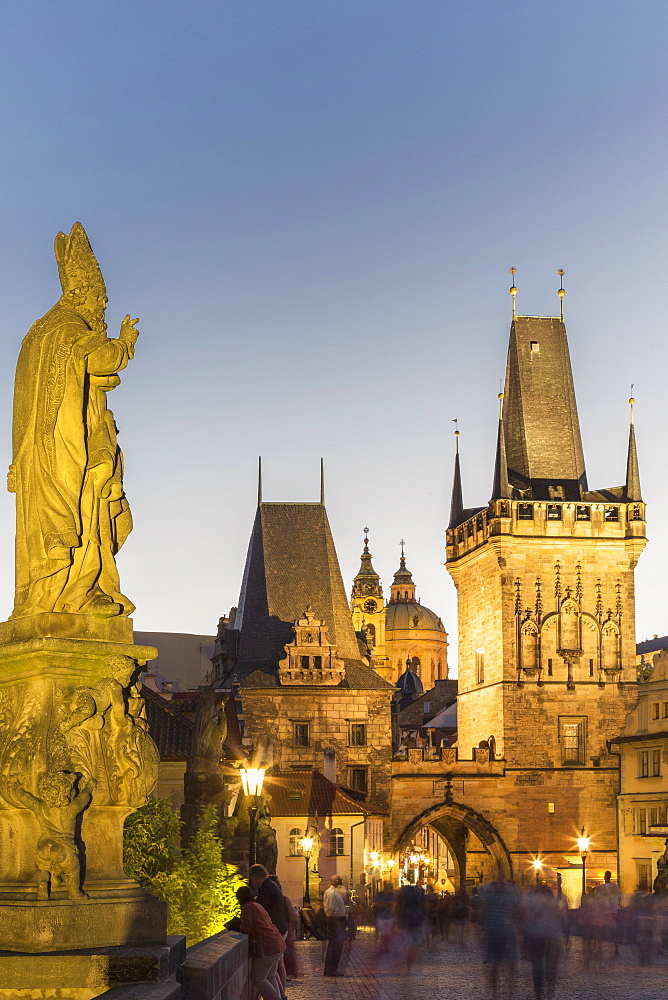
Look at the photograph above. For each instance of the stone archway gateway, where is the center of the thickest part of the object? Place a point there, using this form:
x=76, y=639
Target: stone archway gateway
x=449, y=818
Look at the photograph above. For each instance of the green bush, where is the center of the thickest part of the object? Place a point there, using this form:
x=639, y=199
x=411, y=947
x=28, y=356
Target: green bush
x=198, y=887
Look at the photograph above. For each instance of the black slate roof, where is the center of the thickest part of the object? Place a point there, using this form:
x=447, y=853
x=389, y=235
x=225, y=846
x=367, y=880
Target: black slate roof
x=291, y=565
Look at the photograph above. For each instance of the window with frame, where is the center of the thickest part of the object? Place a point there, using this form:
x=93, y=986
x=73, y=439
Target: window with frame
x=655, y=710
x=525, y=512
x=656, y=763
x=294, y=842
x=336, y=842
x=479, y=666
x=582, y=513
x=358, y=779
x=643, y=763
x=302, y=734
x=643, y=875
x=572, y=740
x=612, y=513
x=358, y=734
x=641, y=822
x=554, y=512
x=664, y=713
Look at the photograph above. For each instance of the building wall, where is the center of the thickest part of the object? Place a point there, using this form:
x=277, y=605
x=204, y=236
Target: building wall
x=644, y=733
x=428, y=645
x=365, y=835
x=170, y=782
x=274, y=713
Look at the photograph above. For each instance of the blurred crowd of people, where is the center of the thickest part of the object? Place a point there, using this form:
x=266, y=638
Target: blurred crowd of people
x=509, y=926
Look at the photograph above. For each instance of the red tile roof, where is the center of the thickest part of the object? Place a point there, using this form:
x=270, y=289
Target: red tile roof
x=302, y=793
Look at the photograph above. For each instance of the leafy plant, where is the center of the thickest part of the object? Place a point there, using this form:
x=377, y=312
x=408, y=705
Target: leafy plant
x=197, y=885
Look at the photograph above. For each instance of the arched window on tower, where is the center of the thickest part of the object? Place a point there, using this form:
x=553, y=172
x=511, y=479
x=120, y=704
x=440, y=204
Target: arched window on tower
x=415, y=665
x=370, y=633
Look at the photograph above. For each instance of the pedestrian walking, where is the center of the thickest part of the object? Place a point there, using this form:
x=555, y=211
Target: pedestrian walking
x=499, y=912
x=334, y=904
x=542, y=923
x=270, y=896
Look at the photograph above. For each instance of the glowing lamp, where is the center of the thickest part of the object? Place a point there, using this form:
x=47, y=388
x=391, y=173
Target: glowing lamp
x=374, y=857
x=306, y=844
x=537, y=865
x=583, y=843
x=390, y=862
x=252, y=779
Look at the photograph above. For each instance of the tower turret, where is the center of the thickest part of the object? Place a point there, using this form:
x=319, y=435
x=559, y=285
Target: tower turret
x=403, y=588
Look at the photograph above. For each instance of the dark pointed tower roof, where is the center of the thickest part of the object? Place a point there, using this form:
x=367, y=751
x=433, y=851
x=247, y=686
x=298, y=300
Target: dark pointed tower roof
x=367, y=582
x=632, y=489
x=542, y=432
x=457, y=501
x=501, y=488
x=291, y=564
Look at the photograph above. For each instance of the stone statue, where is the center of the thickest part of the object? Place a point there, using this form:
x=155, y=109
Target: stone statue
x=67, y=470
x=107, y=742
x=57, y=809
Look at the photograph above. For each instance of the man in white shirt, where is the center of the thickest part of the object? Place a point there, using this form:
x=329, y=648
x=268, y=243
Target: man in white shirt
x=334, y=904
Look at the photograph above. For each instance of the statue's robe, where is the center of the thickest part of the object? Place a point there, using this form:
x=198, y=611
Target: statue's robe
x=72, y=515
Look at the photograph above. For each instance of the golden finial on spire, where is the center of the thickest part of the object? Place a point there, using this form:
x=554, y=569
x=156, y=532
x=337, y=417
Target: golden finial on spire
x=632, y=401
x=455, y=422
x=562, y=291
x=501, y=397
x=513, y=290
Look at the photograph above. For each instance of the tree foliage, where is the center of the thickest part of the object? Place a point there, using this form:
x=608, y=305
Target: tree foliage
x=197, y=885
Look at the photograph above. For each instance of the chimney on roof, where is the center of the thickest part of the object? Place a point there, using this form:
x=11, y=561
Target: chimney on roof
x=329, y=764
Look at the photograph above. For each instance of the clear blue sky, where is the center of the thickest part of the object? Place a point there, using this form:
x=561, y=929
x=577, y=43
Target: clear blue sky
x=313, y=206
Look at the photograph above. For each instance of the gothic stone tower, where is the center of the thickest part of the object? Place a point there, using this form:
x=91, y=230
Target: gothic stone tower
x=545, y=583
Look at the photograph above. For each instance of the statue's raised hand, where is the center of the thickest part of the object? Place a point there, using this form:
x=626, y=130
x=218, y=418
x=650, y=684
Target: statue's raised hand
x=129, y=334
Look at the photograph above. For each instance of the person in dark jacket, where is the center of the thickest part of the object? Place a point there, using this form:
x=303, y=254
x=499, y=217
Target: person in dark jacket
x=270, y=896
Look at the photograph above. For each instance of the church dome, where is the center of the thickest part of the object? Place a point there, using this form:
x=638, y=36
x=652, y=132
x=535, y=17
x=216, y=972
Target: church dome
x=409, y=683
x=411, y=615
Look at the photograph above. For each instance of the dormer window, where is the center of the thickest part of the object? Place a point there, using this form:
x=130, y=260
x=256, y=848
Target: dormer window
x=535, y=347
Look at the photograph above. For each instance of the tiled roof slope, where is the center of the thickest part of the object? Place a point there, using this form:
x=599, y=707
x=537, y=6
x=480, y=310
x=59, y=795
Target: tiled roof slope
x=442, y=694
x=305, y=793
x=171, y=730
x=291, y=564
x=652, y=645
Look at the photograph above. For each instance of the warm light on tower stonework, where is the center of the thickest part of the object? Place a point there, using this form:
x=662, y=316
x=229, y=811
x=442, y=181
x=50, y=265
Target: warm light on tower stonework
x=75, y=754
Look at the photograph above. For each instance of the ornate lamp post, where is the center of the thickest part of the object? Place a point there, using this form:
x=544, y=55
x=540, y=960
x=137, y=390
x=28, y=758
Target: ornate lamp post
x=537, y=866
x=306, y=844
x=583, y=847
x=252, y=779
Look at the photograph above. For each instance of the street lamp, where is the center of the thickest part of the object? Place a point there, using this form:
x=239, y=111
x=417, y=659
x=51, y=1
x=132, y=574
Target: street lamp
x=537, y=865
x=306, y=844
x=583, y=847
x=252, y=779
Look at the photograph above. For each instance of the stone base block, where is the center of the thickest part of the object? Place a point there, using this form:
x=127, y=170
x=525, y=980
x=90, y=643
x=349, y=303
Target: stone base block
x=87, y=973
x=62, y=625
x=56, y=925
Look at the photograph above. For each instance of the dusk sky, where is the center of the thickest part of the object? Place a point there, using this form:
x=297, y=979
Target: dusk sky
x=312, y=207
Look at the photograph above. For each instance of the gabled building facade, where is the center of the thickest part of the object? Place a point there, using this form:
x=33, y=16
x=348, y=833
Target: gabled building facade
x=293, y=661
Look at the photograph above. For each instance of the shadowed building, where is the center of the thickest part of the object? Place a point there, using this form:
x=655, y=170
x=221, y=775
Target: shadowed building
x=290, y=657
x=545, y=583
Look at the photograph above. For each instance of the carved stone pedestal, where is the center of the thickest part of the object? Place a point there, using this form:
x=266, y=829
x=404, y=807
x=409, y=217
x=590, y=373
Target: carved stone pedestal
x=75, y=760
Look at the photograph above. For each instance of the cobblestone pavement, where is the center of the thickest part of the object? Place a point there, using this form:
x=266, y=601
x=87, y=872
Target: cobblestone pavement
x=447, y=971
